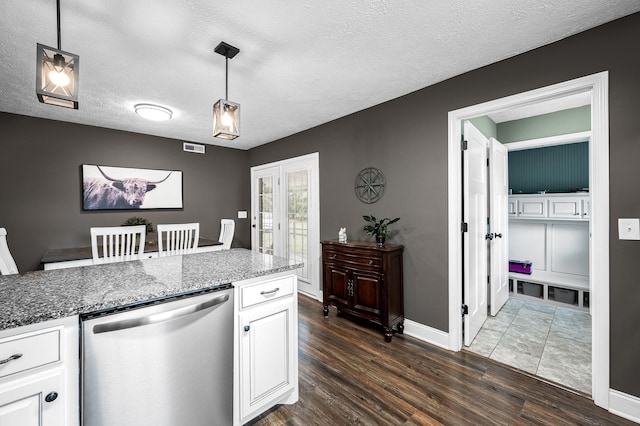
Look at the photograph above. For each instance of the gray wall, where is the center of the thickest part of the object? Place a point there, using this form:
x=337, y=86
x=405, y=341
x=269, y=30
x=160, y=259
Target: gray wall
x=40, y=183
x=407, y=139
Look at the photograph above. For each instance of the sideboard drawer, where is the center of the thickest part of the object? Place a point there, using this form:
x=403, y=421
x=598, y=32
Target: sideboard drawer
x=265, y=291
x=354, y=257
x=24, y=352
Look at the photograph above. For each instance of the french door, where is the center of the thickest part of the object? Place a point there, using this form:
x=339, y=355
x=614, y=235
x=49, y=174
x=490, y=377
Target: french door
x=285, y=215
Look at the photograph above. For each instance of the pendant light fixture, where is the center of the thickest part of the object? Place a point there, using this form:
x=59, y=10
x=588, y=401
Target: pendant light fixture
x=57, y=74
x=226, y=114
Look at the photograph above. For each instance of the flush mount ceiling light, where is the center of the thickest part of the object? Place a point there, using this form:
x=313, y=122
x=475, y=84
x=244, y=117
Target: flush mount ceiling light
x=153, y=112
x=57, y=74
x=226, y=114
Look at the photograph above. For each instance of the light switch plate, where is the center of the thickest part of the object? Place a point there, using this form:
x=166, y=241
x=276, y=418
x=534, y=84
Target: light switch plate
x=629, y=229
x=242, y=214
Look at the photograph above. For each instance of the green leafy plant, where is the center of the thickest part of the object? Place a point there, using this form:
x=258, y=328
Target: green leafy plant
x=378, y=227
x=132, y=221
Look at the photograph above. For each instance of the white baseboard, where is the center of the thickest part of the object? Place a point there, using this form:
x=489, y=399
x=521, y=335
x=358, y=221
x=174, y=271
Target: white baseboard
x=624, y=405
x=426, y=333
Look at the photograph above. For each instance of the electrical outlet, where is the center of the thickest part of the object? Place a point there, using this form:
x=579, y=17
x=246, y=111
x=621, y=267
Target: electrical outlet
x=242, y=214
x=629, y=229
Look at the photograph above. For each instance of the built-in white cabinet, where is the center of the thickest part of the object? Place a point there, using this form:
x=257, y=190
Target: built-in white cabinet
x=551, y=231
x=528, y=207
x=550, y=206
x=266, y=344
x=39, y=374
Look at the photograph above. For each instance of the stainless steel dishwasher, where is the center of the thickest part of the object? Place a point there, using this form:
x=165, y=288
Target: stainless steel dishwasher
x=166, y=363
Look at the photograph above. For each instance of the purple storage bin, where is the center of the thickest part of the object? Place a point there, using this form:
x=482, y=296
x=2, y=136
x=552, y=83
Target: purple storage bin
x=520, y=266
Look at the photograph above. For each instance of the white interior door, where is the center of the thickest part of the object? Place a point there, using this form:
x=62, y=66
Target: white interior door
x=498, y=225
x=285, y=214
x=475, y=245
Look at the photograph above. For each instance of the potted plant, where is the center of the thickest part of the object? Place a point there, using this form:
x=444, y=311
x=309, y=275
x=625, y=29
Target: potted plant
x=378, y=227
x=132, y=221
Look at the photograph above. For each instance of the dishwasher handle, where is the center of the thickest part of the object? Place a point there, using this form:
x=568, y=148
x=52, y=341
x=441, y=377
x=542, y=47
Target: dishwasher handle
x=159, y=317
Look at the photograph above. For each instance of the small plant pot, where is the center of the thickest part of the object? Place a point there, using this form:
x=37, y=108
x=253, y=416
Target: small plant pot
x=380, y=239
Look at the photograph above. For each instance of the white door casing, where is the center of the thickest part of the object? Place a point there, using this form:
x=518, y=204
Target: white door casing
x=498, y=225
x=475, y=216
x=597, y=86
x=293, y=223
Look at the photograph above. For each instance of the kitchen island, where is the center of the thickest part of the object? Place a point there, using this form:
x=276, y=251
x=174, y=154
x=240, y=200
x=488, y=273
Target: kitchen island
x=43, y=308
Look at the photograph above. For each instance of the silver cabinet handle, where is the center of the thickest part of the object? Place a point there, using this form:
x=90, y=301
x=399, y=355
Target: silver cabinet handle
x=11, y=358
x=159, y=317
x=264, y=293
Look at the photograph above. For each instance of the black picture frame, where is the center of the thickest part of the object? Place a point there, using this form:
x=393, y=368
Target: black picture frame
x=124, y=188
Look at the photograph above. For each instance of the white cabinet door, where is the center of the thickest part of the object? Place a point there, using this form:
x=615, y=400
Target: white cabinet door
x=532, y=207
x=586, y=208
x=268, y=353
x=512, y=207
x=23, y=402
x=565, y=208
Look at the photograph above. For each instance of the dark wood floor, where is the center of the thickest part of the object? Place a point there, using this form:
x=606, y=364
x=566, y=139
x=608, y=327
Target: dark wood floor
x=350, y=376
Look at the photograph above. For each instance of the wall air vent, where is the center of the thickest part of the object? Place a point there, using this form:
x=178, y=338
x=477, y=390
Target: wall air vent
x=192, y=147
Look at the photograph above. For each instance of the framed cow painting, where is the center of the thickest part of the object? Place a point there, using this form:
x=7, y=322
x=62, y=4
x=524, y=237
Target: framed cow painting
x=122, y=188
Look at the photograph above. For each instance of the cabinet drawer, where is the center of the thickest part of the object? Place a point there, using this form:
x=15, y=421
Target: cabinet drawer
x=24, y=352
x=354, y=258
x=264, y=291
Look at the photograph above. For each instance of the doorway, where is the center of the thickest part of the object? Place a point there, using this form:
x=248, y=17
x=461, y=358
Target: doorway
x=285, y=215
x=545, y=327
x=597, y=87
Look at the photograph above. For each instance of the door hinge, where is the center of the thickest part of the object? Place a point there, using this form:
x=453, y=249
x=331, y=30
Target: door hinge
x=464, y=227
x=465, y=310
x=463, y=145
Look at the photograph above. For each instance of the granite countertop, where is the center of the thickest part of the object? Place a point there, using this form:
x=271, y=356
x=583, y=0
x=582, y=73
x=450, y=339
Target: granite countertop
x=45, y=295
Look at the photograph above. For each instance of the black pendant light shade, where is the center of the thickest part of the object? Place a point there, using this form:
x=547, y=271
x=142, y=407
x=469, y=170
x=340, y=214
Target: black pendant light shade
x=226, y=114
x=57, y=77
x=57, y=74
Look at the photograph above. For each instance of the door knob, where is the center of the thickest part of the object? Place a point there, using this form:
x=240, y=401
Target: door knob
x=498, y=235
x=247, y=328
x=52, y=396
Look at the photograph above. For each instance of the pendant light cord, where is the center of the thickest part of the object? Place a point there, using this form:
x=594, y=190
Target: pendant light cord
x=226, y=77
x=58, y=8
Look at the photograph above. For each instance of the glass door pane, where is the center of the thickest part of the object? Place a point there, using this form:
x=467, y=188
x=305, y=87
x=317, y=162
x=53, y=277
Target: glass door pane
x=265, y=214
x=298, y=219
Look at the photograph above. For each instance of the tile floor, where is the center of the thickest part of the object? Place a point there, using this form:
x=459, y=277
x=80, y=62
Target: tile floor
x=548, y=341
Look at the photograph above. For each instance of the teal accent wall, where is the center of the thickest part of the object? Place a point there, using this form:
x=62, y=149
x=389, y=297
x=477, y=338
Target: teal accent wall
x=560, y=168
x=541, y=126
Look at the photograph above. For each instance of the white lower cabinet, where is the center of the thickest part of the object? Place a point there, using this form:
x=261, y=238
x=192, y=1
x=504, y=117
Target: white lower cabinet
x=32, y=402
x=39, y=374
x=266, y=373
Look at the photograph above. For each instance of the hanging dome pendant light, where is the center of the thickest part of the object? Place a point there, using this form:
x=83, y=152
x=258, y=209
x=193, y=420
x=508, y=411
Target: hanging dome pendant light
x=226, y=114
x=57, y=73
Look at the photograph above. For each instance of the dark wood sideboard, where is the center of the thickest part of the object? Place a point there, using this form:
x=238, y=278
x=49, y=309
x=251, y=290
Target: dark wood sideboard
x=364, y=280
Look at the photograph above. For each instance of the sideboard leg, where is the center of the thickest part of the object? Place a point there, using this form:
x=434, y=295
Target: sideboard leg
x=325, y=311
x=388, y=334
x=401, y=327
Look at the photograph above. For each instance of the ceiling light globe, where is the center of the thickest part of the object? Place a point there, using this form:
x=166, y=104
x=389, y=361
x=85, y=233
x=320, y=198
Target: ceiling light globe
x=153, y=112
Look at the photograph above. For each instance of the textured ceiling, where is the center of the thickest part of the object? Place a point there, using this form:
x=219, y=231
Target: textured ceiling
x=300, y=64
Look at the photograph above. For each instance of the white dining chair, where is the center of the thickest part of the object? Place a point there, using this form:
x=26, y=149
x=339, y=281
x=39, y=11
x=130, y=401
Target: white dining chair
x=7, y=264
x=118, y=243
x=175, y=239
x=227, y=228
